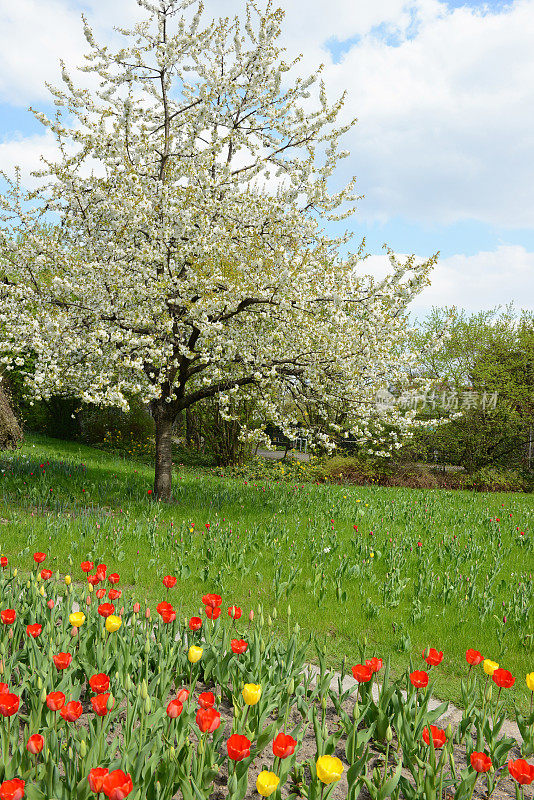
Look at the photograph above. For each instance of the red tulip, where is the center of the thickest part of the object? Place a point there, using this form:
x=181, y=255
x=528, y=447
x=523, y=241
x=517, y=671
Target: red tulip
x=238, y=747
x=206, y=700
x=195, y=624
x=62, y=660
x=208, y=719
x=12, y=790
x=87, y=566
x=362, y=673
x=99, y=683
x=39, y=557
x=182, y=695
x=96, y=779
x=55, y=701
x=35, y=744
x=106, y=610
x=503, y=678
x=521, y=771
x=419, y=678
x=473, y=657
x=114, y=594
x=100, y=704
x=212, y=613
x=34, y=630
x=9, y=704
x=117, y=785
x=3, y=561
x=284, y=745
x=50, y=604
x=114, y=577
x=164, y=607
x=234, y=612
x=480, y=762
x=432, y=657
x=175, y=708
x=101, y=572
x=71, y=711
x=438, y=736
x=374, y=664
x=94, y=580
x=100, y=593
x=46, y=574
x=169, y=581
x=238, y=646
x=8, y=616
x=136, y=608
x=212, y=600
x=168, y=615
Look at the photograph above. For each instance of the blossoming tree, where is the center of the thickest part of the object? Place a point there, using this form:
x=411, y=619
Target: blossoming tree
x=174, y=250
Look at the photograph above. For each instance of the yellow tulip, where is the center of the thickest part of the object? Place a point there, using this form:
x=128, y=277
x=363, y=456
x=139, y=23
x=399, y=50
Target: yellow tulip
x=530, y=681
x=490, y=666
x=68, y=580
x=251, y=693
x=77, y=619
x=194, y=654
x=113, y=623
x=266, y=783
x=329, y=769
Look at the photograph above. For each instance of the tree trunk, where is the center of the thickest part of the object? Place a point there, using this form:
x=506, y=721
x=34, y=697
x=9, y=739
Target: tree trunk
x=164, y=419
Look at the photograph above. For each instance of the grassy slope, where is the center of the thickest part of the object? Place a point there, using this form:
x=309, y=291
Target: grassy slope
x=84, y=503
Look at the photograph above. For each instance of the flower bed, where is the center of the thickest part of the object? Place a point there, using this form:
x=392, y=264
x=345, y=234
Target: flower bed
x=101, y=698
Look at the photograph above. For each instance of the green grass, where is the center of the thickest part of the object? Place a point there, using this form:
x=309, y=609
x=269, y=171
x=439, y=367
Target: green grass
x=373, y=583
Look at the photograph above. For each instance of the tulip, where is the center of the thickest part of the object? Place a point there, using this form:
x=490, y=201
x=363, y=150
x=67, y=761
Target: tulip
x=473, y=657
x=77, y=619
x=530, y=681
x=251, y=693
x=100, y=704
x=9, y=704
x=136, y=608
x=480, y=762
x=114, y=594
x=34, y=630
x=195, y=624
x=71, y=711
x=490, y=666
x=117, y=785
x=62, y=660
x=8, y=616
x=39, y=557
x=87, y=566
x=12, y=790
x=432, y=657
x=101, y=572
x=35, y=744
x=206, y=699
x=284, y=745
x=521, y=771
x=238, y=747
x=106, y=609
x=329, y=769
x=174, y=709
x=267, y=783
x=194, y=654
x=3, y=561
x=114, y=577
x=113, y=623
x=439, y=736
x=362, y=673
x=100, y=593
x=374, y=664
x=212, y=613
x=68, y=580
x=419, y=679
x=212, y=600
x=93, y=580
x=46, y=574
x=50, y=604
x=99, y=683
x=182, y=695
x=55, y=701
x=238, y=646
x=208, y=719
x=234, y=612
x=503, y=678
x=169, y=581
x=96, y=779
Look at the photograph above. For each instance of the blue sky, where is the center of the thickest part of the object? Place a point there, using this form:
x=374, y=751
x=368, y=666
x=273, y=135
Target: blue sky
x=444, y=95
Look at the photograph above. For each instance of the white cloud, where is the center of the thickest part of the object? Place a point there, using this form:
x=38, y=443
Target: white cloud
x=26, y=153
x=476, y=282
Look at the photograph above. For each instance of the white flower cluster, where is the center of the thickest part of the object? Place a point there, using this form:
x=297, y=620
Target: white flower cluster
x=189, y=261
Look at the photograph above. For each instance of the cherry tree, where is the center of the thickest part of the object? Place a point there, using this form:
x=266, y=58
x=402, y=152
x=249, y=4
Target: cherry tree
x=176, y=248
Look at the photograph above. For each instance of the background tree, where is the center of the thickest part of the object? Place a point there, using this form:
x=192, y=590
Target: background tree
x=189, y=261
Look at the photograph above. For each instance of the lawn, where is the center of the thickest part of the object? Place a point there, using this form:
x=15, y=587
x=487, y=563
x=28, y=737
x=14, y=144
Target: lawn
x=399, y=569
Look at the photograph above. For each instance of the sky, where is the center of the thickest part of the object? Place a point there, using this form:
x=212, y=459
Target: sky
x=443, y=146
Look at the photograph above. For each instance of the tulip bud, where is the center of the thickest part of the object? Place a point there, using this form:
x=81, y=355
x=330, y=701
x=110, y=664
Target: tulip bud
x=39, y=683
x=291, y=686
x=42, y=591
x=389, y=734
x=356, y=712
x=42, y=696
x=144, y=689
x=251, y=616
x=71, y=753
x=296, y=629
x=83, y=748
x=73, y=631
x=117, y=676
x=68, y=580
x=36, y=578
x=172, y=753
x=147, y=613
x=269, y=621
x=50, y=604
x=323, y=703
x=10, y=633
x=147, y=705
x=448, y=731
x=28, y=584
x=137, y=608
x=110, y=703
x=2, y=648
x=1, y=667
x=288, y=610
x=147, y=647
x=262, y=645
x=90, y=588
x=15, y=573
x=275, y=613
x=488, y=693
